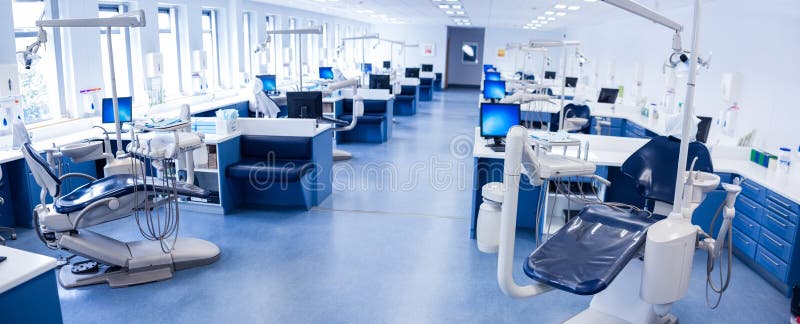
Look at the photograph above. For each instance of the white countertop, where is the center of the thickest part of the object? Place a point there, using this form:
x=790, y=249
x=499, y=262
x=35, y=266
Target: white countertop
x=613, y=151
x=21, y=266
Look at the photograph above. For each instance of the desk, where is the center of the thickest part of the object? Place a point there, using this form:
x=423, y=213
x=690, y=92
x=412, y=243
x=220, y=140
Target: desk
x=28, y=288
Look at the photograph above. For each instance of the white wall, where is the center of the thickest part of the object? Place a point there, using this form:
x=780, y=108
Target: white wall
x=759, y=41
x=497, y=38
x=412, y=34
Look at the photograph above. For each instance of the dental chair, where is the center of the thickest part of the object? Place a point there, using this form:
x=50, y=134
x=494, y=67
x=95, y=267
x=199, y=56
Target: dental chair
x=577, y=119
x=595, y=252
x=64, y=225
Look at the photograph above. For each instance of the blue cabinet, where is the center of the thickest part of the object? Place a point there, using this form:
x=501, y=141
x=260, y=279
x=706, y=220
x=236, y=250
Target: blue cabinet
x=764, y=233
x=6, y=207
x=614, y=130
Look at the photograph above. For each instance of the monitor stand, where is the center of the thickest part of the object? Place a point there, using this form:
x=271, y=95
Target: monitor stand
x=493, y=100
x=497, y=145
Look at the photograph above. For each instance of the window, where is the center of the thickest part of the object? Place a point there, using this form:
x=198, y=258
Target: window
x=326, y=45
x=247, y=42
x=39, y=102
x=211, y=46
x=120, y=41
x=292, y=53
x=272, y=48
x=311, y=51
x=168, y=41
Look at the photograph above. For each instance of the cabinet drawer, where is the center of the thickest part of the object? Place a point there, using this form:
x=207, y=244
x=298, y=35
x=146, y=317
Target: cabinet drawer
x=774, y=265
x=783, y=202
x=775, y=245
x=777, y=209
x=749, y=208
x=753, y=191
x=779, y=226
x=747, y=225
x=744, y=244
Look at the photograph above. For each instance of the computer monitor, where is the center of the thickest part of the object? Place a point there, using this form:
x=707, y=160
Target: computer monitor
x=703, y=129
x=494, y=89
x=496, y=120
x=268, y=81
x=412, y=72
x=427, y=67
x=608, y=96
x=493, y=76
x=366, y=68
x=326, y=72
x=125, y=105
x=570, y=82
x=306, y=104
x=387, y=64
x=380, y=81
x=551, y=75
x=487, y=68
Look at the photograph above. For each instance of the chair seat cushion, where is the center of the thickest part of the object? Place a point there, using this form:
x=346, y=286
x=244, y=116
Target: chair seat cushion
x=404, y=97
x=270, y=171
x=117, y=186
x=585, y=255
x=365, y=119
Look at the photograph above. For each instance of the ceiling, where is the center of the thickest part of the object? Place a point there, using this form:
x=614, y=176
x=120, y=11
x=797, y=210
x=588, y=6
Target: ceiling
x=483, y=13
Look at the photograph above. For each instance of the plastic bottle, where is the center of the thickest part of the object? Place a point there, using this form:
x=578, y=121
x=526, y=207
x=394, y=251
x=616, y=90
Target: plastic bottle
x=785, y=158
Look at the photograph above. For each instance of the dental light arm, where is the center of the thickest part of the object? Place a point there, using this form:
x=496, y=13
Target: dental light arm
x=297, y=32
x=132, y=19
x=647, y=13
x=340, y=85
x=563, y=44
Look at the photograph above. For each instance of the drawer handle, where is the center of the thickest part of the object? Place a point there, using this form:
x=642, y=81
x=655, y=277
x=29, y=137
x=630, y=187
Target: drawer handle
x=770, y=260
x=779, y=244
x=777, y=222
x=782, y=204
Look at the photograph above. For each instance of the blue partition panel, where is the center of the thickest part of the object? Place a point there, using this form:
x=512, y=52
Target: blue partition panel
x=35, y=301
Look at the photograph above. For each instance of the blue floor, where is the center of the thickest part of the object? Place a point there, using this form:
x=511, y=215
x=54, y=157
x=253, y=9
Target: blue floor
x=390, y=245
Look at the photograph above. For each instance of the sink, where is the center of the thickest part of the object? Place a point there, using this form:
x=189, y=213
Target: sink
x=85, y=151
x=704, y=183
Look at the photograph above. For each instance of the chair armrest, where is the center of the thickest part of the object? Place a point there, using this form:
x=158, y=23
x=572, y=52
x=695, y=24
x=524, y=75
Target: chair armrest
x=77, y=175
x=96, y=204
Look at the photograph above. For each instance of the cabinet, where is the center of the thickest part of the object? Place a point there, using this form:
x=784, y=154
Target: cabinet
x=614, y=130
x=764, y=233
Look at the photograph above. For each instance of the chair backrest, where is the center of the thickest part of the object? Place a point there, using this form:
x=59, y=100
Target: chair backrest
x=278, y=147
x=579, y=111
x=40, y=170
x=653, y=166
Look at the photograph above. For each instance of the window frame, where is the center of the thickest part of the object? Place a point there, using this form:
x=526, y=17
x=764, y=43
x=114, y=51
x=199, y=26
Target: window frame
x=214, y=53
x=120, y=8
x=173, y=17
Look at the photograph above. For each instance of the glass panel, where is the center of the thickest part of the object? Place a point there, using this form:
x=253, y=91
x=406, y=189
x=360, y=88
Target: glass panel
x=168, y=43
x=39, y=102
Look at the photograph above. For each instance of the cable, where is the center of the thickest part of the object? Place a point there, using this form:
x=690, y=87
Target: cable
x=724, y=282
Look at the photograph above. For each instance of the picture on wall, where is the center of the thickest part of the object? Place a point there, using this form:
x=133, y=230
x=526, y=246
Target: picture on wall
x=427, y=50
x=469, y=53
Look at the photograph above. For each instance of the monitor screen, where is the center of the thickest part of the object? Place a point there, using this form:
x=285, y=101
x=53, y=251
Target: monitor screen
x=307, y=104
x=493, y=76
x=412, y=72
x=550, y=75
x=494, y=89
x=125, y=105
x=427, y=67
x=608, y=96
x=380, y=81
x=497, y=119
x=488, y=68
x=387, y=65
x=570, y=82
x=268, y=80
x=326, y=72
x=366, y=67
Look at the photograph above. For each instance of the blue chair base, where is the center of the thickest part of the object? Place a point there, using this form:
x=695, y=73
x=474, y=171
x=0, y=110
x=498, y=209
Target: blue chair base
x=366, y=133
x=276, y=194
x=425, y=93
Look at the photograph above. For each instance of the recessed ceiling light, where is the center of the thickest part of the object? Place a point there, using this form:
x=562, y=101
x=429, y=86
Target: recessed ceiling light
x=449, y=12
x=444, y=6
x=543, y=23
x=560, y=6
x=549, y=13
x=561, y=13
x=573, y=7
x=541, y=18
x=551, y=18
x=456, y=6
x=526, y=27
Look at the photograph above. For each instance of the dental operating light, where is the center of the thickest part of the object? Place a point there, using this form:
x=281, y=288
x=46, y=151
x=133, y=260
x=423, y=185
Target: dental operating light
x=130, y=20
x=563, y=44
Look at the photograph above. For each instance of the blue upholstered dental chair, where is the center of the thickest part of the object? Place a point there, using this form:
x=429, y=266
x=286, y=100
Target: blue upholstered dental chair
x=585, y=255
x=577, y=118
x=64, y=225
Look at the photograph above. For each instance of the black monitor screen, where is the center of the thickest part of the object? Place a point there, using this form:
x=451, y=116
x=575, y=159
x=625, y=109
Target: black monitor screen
x=494, y=89
x=493, y=76
x=412, y=72
x=570, y=82
x=387, y=65
x=550, y=75
x=380, y=81
x=326, y=72
x=497, y=119
x=608, y=96
x=307, y=104
x=125, y=105
x=427, y=67
x=268, y=81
